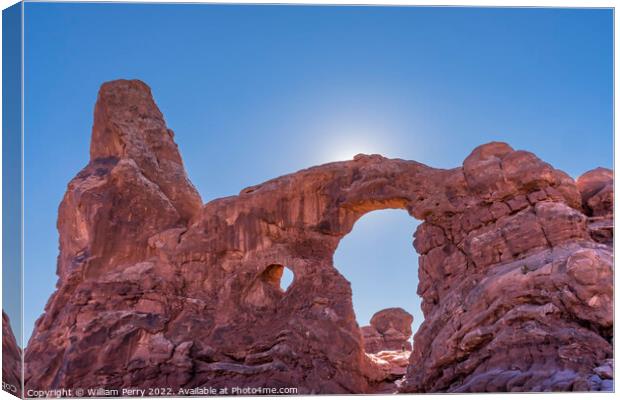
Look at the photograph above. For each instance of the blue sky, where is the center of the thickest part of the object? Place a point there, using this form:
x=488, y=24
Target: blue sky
x=254, y=92
x=11, y=168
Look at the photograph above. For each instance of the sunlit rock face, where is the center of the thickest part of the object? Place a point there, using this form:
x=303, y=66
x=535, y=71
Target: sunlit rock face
x=158, y=290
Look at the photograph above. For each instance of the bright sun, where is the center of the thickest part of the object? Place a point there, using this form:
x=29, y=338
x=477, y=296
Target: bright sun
x=346, y=147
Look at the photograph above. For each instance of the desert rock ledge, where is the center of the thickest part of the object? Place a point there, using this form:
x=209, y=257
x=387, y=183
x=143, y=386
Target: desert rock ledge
x=158, y=290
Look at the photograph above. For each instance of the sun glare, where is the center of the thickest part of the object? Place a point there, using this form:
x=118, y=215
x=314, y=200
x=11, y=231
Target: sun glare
x=346, y=147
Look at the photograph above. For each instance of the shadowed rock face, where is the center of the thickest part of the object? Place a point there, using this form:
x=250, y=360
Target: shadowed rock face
x=11, y=359
x=157, y=290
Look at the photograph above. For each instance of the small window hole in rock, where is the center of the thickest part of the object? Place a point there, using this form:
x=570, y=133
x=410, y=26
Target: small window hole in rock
x=279, y=276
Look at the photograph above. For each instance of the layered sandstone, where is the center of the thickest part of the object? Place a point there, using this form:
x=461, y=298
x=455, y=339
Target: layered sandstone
x=157, y=290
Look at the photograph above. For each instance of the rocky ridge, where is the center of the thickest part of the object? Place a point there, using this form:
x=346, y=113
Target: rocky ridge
x=158, y=290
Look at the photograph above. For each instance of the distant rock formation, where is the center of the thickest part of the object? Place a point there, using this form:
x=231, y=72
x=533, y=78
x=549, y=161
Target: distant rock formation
x=158, y=290
x=389, y=329
x=11, y=359
x=388, y=347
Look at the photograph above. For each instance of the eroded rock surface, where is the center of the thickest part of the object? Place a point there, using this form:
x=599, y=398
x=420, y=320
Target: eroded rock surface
x=597, y=196
x=388, y=348
x=385, y=370
x=11, y=359
x=157, y=290
x=389, y=329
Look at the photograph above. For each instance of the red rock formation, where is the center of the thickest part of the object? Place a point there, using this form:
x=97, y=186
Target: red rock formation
x=385, y=370
x=389, y=329
x=597, y=196
x=597, y=191
x=11, y=359
x=156, y=290
x=386, y=342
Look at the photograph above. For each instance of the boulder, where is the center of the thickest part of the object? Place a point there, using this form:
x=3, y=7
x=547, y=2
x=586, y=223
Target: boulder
x=389, y=329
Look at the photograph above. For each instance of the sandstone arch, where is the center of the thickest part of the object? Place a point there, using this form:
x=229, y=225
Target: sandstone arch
x=146, y=271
